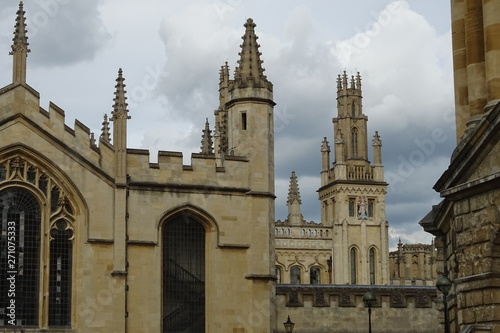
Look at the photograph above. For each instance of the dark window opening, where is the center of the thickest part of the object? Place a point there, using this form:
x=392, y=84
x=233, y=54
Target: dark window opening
x=183, y=276
x=372, y=266
x=353, y=266
x=315, y=275
x=60, y=275
x=351, y=207
x=371, y=204
x=244, y=121
x=354, y=140
x=295, y=275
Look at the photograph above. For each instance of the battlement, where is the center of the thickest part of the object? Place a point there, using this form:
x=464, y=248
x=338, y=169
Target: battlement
x=203, y=170
x=22, y=103
x=340, y=308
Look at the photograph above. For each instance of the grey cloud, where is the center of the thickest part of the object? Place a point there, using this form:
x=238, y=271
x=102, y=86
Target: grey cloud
x=64, y=32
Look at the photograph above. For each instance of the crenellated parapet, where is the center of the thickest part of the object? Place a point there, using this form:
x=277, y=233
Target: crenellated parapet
x=340, y=308
x=22, y=103
x=203, y=172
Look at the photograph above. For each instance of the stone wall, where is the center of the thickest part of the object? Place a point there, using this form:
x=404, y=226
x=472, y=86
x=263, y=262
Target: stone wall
x=339, y=308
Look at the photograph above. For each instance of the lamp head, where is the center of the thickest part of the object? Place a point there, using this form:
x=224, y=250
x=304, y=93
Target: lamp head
x=443, y=284
x=289, y=325
x=369, y=299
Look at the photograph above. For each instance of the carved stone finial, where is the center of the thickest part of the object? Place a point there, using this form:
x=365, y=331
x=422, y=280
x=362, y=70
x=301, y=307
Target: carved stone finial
x=325, y=147
x=206, y=140
x=20, y=48
x=20, y=40
x=376, y=140
x=105, y=133
x=120, y=106
x=293, y=190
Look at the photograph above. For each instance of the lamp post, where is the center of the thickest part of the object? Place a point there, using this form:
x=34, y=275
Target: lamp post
x=288, y=325
x=369, y=299
x=444, y=285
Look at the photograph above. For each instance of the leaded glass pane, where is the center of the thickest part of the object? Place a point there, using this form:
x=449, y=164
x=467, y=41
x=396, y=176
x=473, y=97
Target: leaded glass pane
x=19, y=257
x=183, y=276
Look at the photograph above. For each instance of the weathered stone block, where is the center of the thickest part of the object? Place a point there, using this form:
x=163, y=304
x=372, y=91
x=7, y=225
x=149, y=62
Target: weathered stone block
x=461, y=207
x=474, y=298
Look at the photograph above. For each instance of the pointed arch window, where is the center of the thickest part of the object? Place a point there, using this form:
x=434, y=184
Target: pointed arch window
x=278, y=274
x=353, y=263
x=354, y=142
x=314, y=274
x=371, y=255
x=295, y=275
x=35, y=252
x=353, y=110
x=183, y=275
x=61, y=248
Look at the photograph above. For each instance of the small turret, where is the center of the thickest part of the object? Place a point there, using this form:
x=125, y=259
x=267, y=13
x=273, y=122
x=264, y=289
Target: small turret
x=325, y=161
x=20, y=48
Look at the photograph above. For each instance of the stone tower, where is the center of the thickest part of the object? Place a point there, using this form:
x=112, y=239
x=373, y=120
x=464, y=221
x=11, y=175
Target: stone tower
x=352, y=193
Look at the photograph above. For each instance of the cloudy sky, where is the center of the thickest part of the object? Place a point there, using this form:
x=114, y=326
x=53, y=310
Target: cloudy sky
x=171, y=52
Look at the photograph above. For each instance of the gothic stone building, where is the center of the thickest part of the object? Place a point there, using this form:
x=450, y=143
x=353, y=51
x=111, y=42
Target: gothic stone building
x=467, y=221
x=96, y=238
x=413, y=264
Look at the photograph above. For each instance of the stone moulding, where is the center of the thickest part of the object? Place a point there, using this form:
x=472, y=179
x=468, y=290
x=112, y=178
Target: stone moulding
x=350, y=295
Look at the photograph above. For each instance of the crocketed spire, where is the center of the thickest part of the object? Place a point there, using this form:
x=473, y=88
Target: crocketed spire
x=293, y=190
x=120, y=107
x=250, y=65
x=206, y=140
x=20, y=48
x=105, y=134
